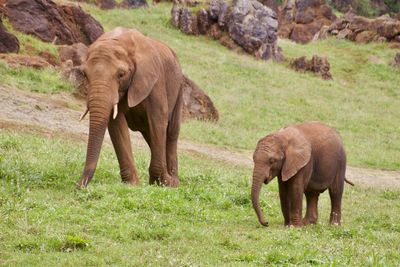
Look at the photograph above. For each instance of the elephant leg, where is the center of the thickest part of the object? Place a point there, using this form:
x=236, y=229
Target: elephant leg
x=158, y=171
x=172, y=140
x=146, y=136
x=336, y=205
x=119, y=133
x=284, y=197
x=295, y=191
x=312, y=208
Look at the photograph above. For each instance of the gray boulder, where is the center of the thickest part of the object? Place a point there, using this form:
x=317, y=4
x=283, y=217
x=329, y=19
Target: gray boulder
x=254, y=27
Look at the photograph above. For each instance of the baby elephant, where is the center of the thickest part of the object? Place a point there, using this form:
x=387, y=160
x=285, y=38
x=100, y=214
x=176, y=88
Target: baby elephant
x=307, y=158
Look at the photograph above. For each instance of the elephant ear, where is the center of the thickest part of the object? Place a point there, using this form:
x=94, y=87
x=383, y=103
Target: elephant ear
x=147, y=69
x=297, y=153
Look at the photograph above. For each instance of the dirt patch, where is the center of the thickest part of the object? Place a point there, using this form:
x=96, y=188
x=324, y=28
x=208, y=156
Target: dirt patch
x=58, y=115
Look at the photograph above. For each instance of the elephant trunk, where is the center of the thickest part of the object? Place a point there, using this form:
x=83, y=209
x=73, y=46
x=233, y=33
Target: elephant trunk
x=255, y=197
x=100, y=111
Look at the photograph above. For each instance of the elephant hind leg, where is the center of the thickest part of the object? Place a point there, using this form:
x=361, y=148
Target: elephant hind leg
x=172, y=140
x=335, y=193
x=312, y=208
x=336, y=205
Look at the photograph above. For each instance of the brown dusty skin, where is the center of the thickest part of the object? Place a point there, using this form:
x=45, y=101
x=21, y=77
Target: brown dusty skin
x=58, y=115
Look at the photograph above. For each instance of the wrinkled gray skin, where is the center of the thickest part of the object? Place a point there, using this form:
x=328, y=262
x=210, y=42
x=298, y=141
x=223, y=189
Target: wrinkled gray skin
x=307, y=158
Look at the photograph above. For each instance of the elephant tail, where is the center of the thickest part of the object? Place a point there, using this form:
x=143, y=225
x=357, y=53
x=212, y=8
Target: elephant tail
x=347, y=181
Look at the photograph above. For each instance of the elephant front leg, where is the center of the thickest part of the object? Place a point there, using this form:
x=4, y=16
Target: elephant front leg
x=295, y=189
x=119, y=133
x=284, y=198
x=312, y=208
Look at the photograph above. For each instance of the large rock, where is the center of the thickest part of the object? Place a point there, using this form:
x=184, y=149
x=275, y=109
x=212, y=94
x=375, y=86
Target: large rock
x=301, y=20
x=364, y=30
x=218, y=12
x=60, y=24
x=8, y=42
x=254, y=27
x=196, y=104
x=318, y=65
x=176, y=15
x=188, y=22
x=203, y=21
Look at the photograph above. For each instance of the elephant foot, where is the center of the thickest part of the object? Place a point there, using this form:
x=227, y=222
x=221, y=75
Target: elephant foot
x=83, y=182
x=295, y=224
x=131, y=181
x=291, y=225
x=170, y=181
x=335, y=218
x=308, y=221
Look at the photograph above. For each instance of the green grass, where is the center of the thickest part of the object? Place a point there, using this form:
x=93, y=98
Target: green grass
x=43, y=81
x=255, y=97
x=207, y=221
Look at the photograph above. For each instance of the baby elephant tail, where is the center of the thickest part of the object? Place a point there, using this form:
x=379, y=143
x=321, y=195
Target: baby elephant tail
x=347, y=181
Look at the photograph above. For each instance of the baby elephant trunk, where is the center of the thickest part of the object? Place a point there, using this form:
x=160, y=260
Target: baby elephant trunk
x=255, y=197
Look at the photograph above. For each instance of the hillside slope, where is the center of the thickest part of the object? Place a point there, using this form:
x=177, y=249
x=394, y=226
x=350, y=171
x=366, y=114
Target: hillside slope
x=255, y=97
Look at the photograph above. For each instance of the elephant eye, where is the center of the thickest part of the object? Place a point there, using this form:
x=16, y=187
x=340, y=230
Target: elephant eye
x=121, y=74
x=271, y=160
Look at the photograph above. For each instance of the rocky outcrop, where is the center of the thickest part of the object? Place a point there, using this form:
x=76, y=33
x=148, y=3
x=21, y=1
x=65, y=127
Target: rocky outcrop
x=196, y=104
x=8, y=42
x=364, y=30
x=246, y=24
x=254, y=27
x=319, y=65
x=60, y=24
x=300, y=20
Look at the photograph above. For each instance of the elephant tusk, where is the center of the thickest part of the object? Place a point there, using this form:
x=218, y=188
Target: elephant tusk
x=115, y=111
x=84, y=114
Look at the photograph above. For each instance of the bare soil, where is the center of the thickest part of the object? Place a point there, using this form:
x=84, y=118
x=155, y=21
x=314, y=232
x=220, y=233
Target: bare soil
x=58, y=115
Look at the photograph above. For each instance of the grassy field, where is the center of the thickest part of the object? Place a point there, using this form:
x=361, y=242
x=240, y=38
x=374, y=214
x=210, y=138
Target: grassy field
x=208, y=221
x=255, y=98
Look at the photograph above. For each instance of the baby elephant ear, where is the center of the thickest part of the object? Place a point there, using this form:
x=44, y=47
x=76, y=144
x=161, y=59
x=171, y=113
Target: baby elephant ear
x=297, y=154
x=147, y=70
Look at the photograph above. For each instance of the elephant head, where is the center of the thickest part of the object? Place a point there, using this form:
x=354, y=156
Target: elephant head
x=281, y=154
x=121, y=68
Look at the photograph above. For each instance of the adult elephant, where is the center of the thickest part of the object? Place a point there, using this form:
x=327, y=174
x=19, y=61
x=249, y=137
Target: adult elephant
x=133, y=82
x=307, y=158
